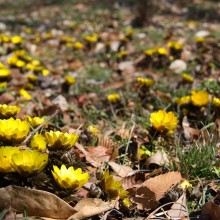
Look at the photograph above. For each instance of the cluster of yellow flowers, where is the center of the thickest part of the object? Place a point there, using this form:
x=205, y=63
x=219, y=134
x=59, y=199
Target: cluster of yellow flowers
x=145, y=82
x=197, y=98
x=16, y=40
x=175, y=46
x=20, y=59
x=29, y=162
x=113, y=98
x=4, y=71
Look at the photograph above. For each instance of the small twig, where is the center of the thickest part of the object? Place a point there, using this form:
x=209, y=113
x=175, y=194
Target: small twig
x=31, y=134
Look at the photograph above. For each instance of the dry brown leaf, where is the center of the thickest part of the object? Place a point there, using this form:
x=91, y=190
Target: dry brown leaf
x=189, y=133
x=179, y=208
x=154, y=189
x=210, y=211
x=99, y=154
x=89, y=207
x=163, y=183
x=159, y=158
x=35, y=202
x=6, y=98
x=121, y=170
x=145, y=199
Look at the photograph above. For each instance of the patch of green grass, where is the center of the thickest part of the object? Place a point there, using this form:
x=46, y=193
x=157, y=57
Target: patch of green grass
x=198, y=161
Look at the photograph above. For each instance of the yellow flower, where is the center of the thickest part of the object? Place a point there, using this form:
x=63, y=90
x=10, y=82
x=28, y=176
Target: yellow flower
x=16, y=40
x=187, y=78
x=14, y=61
x=113, y=188
x=29, y=162
x=185, y=184
x=143, y=153
x=4, y=73
x=58, y=140
x=7, y=111
x=32, y=77
x=149, y=52
x=45, y=72
x=2, y=66
x=162, y=51
x=145, y=82
x=93, y=130
x=91, y=38
x=35, y=121
x=175, y=45
x=25, y=94
x=38, y=142
x=5, y=158
x=164, y=122
x=185, y=100
x=216, y=102
x=78, y=45
x=13, y=130
x=200, y=98
x=70, y=80
x=19, y=53
x=200, y=39
x=113, y=98
x=69, y=178
x=122, y=54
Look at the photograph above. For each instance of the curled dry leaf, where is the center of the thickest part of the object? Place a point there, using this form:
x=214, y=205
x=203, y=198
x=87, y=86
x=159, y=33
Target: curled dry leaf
x=89, y=207
x=154, y=189
x=177, y=66
x=99, y=154
x=189, y=133
x=210, y=211
x=160, y=158
x=35, y=202
x=121, y=170
x=179, y=208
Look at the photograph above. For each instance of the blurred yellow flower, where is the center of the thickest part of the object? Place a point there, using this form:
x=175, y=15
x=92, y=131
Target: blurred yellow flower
x=45, y=72
x=122, y=53
x=29, y=162
x=4, y=73
x=70, y=80
x=113, y=98
x=164, y=122
x=93, y=130
x=35, y=121
x=25, y=94
x=200, y=39
x=69, y=178
x=8, y=111
x=146, y=82
x=199, y=98
x=216, y=102
x=162, y=51
x=13, y=130
x=149, y=52
x=5, y=158
x=60, y=140
x=78, y=45
x=113, y=188
x=175, y=45
x=15, y=61
x=38, y=142
x=16, y=40
x=32, y=77
x=185, y=100
x=91, y=38
x=185, y=184
x=187, y=78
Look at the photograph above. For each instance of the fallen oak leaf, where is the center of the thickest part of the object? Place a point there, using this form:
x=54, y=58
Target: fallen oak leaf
x=154, y=189
x=121, y=170
x=179, y=208
x=35, y=202
x=89, y=207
